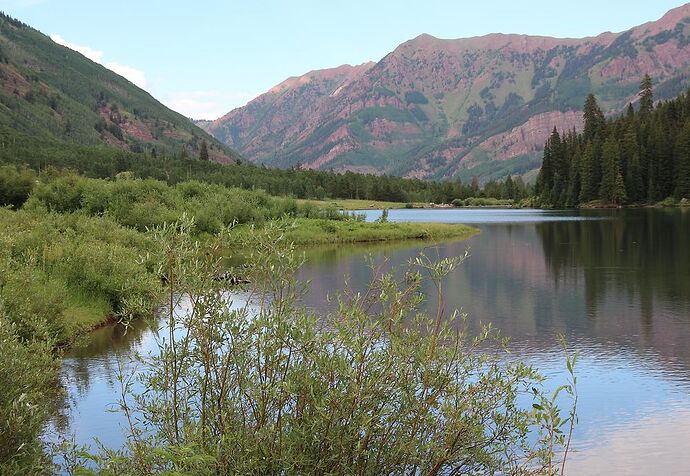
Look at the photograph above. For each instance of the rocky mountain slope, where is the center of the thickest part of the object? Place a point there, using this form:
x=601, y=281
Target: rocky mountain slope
x=51, y=93
x=441, y=108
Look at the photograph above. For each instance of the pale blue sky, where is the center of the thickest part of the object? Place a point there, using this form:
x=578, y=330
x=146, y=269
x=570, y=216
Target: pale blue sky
x=205, y=58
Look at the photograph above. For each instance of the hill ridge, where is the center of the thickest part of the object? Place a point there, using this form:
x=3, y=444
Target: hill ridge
x=51, y=92
x=437, y=108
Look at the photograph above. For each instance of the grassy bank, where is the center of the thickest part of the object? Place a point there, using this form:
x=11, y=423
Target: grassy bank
x=319, y=231
x=64, y=274
x=71, y=248
x=474, y=202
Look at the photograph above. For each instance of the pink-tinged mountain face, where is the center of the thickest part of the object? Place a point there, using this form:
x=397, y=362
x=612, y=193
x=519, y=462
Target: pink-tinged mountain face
x=439, y=108
x=262, y=125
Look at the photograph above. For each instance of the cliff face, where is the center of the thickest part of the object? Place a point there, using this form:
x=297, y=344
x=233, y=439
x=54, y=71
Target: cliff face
x=438, y=108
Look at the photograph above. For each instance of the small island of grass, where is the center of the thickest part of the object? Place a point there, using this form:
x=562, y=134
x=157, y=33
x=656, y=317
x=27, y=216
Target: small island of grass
x=307, y=231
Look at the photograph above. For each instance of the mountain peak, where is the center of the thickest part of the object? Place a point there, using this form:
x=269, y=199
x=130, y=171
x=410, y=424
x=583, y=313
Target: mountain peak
x=667, y=22
x=333, y=74
x=437, y=107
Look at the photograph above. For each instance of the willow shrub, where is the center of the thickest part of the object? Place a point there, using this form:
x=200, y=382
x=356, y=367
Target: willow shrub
x=28, y=373
x=52, y=264
x=376, y=387
x=145, y=204
x=15, y=185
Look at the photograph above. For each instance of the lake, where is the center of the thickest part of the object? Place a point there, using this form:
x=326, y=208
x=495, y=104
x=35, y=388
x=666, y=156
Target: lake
x=616, y=283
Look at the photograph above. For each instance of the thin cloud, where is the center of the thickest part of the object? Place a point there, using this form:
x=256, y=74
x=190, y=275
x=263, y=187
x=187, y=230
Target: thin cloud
x=93, y=55
x=209, y=104
x=136, y=76
x=200, y=104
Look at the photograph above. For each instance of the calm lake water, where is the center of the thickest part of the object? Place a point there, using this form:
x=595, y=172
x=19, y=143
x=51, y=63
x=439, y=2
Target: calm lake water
x=616, y=283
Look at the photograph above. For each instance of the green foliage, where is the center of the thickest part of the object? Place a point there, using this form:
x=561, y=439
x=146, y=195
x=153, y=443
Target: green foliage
x=682, y=189
x=384, y=216
x=415, y=97
x=59, y=275
x=482, y=202
x=28, y=374
x=498, y=169
x=594, y=119
x=612, y=188
x=15, y=185
x=646, y=96
x=104, y=162
x=63, y=274
x=267, y=387
x=304, y=231
x=144, y=204
x=203, y=151
x=641, y=157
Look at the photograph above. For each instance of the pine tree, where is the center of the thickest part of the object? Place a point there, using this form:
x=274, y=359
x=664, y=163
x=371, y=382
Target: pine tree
x=588, y=186
x=574, y=178
x=664, y=162
x=646, y=96
x=545, y=177
x=637, y=157
x=630, y=156
x=682, y=182
x=618, y=196
x=203, y=151
x=520, y=188
x=594, y=119
x=509, y=188
x=558, y=185
x=475, y=186
x=630, y=112
x=612, y=187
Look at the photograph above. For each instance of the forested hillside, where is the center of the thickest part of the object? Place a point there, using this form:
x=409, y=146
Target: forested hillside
x=51, y=93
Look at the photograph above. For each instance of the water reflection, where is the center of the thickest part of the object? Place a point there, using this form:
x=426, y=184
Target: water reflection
x=616, y=283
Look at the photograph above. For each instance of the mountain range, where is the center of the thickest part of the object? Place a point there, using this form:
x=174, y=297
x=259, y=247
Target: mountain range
x=52, y=94
x=440, y=108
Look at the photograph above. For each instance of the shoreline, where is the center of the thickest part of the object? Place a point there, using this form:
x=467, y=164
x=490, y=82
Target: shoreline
x=350, y=233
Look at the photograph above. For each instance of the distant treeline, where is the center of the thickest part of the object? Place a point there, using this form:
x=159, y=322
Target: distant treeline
x=640, y=157
x=107, y=162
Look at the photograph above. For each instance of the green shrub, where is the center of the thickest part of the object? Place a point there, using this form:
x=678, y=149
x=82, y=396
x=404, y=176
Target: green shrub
x=15, y=185
x=144, y=204
x=376, y=387
x=49, y=262
x=28, y=374
x=32, y=301
x=62, y=194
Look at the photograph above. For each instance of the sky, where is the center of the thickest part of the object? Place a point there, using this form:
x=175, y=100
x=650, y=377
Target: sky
x=206, y=58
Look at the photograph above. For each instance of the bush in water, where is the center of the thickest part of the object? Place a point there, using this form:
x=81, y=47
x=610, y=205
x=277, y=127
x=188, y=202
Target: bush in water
x=374, y=387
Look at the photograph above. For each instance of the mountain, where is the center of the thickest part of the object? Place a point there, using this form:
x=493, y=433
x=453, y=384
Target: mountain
x=50, y=93
x=437, y=108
